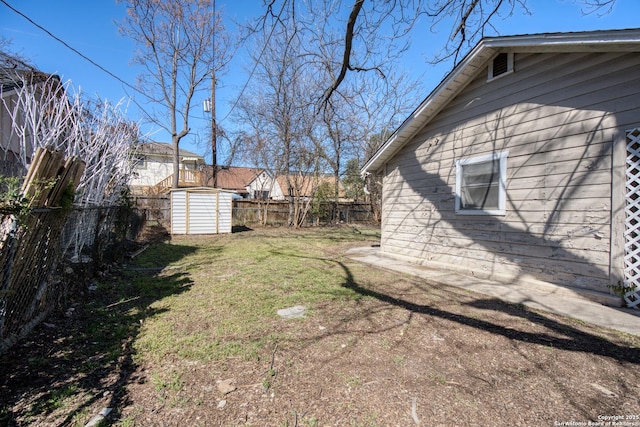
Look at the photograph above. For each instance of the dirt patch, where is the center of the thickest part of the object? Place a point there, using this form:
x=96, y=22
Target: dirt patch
x=404, y=353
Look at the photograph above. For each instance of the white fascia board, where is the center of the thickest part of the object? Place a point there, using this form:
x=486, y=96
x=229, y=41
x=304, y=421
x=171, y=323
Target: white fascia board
x=454, y=81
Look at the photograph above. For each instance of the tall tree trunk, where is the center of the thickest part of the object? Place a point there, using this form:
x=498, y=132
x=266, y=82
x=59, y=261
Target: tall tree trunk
x=292, y=205
x=175, y=141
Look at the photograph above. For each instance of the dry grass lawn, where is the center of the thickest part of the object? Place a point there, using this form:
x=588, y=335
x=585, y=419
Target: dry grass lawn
x=187, y=333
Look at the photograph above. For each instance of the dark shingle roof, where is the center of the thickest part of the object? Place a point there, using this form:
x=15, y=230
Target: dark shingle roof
x=11, y=78
x=236, y=178
x=164, y=150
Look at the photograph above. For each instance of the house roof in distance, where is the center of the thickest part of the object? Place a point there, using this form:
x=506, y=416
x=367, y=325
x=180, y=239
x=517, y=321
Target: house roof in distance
x=236, y=178
x=478, y=58
x=12, y=78
x=163, y=149
x=305, y=185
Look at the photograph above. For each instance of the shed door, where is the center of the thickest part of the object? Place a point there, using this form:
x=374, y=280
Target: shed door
x=202, y=213
x=632, y=219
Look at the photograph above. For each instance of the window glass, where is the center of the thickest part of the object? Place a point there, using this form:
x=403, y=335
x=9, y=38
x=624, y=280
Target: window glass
x=481, y=184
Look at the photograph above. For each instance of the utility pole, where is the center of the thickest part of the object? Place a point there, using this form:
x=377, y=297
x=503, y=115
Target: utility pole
x=214, y=143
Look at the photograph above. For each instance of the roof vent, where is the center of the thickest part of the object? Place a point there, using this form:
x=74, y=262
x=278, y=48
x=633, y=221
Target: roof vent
x=501, y=64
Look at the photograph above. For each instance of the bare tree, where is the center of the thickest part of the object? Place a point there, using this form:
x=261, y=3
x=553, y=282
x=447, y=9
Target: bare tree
x=601, y=7
x=294, y=69
x=12, y=60
x=373, y=34
x=279, y=112
x=182, y=44
x=43, y=112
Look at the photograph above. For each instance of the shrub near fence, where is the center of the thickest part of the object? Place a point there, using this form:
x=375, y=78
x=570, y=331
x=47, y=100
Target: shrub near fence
x=37, y=250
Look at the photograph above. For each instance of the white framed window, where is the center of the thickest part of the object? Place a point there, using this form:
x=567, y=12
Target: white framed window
x=501, y=65
x=481, y=185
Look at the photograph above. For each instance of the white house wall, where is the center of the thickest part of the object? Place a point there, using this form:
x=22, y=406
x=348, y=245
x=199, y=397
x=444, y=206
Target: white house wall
x=263, y=182
x=557, y=116
x=155, y=169
x=277, y=192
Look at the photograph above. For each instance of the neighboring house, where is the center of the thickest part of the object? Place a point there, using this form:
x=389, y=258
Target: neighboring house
x=12, y=155
x=248, y=183
x=153, y=172
x=514, y=166
x=305, y=186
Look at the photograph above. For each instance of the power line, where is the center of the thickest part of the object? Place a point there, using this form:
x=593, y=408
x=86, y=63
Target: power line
x=83, y=56
x=255, y=66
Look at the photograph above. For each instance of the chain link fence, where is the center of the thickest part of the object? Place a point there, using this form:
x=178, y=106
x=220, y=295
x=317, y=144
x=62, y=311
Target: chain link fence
x=45, y=253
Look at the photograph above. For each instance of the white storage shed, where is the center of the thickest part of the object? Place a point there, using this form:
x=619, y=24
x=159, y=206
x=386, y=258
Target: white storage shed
x=201, y=210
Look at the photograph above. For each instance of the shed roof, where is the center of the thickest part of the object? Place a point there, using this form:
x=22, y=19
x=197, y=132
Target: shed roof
x=477, y=59
x=200, y=190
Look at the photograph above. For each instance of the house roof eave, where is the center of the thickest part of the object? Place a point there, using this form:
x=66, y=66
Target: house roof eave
x=452, y=84
x=165, y=150
x=465, y=71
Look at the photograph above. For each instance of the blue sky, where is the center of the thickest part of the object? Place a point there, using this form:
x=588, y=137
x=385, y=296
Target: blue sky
x=90, y=27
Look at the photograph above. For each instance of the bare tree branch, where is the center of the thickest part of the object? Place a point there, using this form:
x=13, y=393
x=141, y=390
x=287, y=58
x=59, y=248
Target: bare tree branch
x=348, y=45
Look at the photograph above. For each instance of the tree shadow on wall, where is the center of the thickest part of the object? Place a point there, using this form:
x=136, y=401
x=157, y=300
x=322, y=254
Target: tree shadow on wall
x=533, y=246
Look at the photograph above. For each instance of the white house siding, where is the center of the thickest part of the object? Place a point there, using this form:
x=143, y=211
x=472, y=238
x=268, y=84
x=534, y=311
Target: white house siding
x=264, y=182
x=557, y=116
x=151, y=171
x=156, y=168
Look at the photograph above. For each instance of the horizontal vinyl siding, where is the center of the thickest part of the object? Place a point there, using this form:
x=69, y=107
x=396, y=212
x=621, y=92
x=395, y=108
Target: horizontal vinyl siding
x=556, y=115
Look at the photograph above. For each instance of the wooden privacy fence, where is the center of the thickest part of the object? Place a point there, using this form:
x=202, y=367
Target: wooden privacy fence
x=273, y=212
x=50, y=178
x=248, y=212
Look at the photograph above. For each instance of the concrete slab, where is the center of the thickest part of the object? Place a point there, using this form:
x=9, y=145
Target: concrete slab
x=541, y=296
